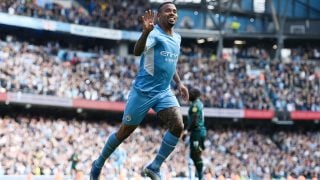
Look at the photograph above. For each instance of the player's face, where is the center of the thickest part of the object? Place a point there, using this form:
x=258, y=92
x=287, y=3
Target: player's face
x=168, y=15
x=192, y=96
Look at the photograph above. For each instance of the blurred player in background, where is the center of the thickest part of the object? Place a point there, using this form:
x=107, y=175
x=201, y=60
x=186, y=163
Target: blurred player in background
x=74, y=159
x=159, y=48
x=197, y=129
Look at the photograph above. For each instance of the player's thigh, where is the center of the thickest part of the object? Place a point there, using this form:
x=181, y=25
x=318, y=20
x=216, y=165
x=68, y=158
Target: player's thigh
x=196, y=145
x=169, y=112
x=165, y=100
x=136, y=108
x=202, y=140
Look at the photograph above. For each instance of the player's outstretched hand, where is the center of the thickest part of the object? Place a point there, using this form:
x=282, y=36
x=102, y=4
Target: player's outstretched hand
x=184, y=93
x=148, y=21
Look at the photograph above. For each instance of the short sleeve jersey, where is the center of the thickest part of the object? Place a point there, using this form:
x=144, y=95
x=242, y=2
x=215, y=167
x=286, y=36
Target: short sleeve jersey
x=158, y=61
x=196, y=108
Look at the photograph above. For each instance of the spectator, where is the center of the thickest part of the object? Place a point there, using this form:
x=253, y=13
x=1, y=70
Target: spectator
x=266, y=153
x=107, y=77
x=111, y=14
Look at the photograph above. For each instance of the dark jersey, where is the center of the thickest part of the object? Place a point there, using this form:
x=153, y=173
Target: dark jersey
x=196, y=109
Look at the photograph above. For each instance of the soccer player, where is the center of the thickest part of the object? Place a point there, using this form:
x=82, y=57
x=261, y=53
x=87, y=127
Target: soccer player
x=197, y=130
x=159, y=47
x=74, y=162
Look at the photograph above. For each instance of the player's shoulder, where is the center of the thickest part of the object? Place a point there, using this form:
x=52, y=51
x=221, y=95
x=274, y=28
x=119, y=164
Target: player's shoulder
x=154, y=32
x=177, y=35
x=199, y=104
x=196, y=106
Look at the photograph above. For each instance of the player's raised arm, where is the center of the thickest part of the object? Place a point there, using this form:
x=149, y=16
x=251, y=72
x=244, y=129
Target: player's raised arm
x=148, y=24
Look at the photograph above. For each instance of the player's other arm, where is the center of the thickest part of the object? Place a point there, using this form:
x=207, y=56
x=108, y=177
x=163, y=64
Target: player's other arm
x=194, y=118
x=140, y=44
x=148, y=24
x=182, y=89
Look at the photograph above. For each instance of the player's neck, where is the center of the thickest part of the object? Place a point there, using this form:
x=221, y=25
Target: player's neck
x=168, y=30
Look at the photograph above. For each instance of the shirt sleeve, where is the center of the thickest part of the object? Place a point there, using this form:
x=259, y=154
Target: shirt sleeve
x=179, y=37
x=151, y=41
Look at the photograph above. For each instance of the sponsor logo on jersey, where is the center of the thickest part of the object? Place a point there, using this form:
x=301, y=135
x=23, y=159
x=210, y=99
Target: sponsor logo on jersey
x=171, y=57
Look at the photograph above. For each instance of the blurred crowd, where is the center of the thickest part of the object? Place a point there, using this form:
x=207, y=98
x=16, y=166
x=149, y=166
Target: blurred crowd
x=35, y=69
x=125, y=15
x=294, y=86
x=109, y=14
x=225, y=83
x=297, y=54
x=42, y=145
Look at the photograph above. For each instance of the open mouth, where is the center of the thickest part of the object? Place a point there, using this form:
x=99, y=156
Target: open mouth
x=172, y=19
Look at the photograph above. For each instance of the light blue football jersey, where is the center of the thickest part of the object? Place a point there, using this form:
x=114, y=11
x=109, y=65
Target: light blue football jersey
x=158, y=61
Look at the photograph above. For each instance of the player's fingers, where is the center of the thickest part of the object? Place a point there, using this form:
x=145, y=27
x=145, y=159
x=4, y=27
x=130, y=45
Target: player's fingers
x=146, y=14
x=183, y=95
x=186, y=98
x=149, y=15
x=153, y=16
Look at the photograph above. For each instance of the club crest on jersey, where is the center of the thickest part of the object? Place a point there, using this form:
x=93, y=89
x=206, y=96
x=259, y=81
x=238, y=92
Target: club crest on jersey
x=127, y=118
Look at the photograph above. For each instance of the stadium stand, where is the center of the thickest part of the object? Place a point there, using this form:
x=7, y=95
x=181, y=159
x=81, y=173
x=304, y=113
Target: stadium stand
x=35, y=69
x=43, y=145
x=112, y=14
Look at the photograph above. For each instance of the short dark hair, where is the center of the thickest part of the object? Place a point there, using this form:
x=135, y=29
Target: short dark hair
x=194, y=93
x=164, y=3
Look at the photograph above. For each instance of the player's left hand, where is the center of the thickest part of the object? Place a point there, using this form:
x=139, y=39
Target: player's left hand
x=184, y=93
x=148, y=21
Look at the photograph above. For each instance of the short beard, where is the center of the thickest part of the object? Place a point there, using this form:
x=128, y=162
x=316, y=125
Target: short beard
x=171, y=24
